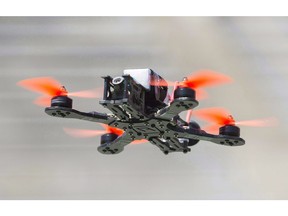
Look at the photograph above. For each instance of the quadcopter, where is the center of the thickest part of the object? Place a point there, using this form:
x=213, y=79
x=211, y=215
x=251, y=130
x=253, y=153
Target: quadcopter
x=142, y=110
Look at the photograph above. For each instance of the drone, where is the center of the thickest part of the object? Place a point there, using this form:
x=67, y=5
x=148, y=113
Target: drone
x=142, y=110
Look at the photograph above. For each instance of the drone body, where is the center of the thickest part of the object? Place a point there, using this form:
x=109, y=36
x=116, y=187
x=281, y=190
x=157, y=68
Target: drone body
x=142, y=109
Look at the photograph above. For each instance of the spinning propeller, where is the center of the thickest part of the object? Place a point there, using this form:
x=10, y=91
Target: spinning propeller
x=219, y=117
x=50, y=87
x=81, y=133
x=196, y=81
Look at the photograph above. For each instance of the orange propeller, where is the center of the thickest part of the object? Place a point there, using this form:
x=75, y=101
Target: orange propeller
x=81, y=133
x=188, y=116
x=219, y=117
x=50, y=87
x=205, y=78
x=198, y=80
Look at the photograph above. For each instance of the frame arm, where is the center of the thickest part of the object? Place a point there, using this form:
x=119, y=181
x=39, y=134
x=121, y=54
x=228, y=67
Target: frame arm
x=175, y=107
x=191, y=133
x=115, y=146
x=64, y=112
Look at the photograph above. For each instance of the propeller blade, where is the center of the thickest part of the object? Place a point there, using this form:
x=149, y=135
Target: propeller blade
x=50, y=87
x=139, y=141
x=188, y=116
x=206, y=78
x=221, y=117
x=200, y=79
x=267, y=122
x=94, y=93
x=44, y=85
x=215, y=115
x=81, y=133
x=201, y=94
x=44, y=101
x=113, y=130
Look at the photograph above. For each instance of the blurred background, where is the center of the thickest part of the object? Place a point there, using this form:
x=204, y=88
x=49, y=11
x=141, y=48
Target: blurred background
x=39, y=161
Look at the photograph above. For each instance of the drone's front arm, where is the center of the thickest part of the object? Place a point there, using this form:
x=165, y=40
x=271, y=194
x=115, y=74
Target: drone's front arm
x=116, y=146
x=177, y=106
x=196, y=134
x=64, y=112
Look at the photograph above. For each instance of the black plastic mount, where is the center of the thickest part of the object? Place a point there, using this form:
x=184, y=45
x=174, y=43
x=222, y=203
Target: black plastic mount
x=164, y=128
